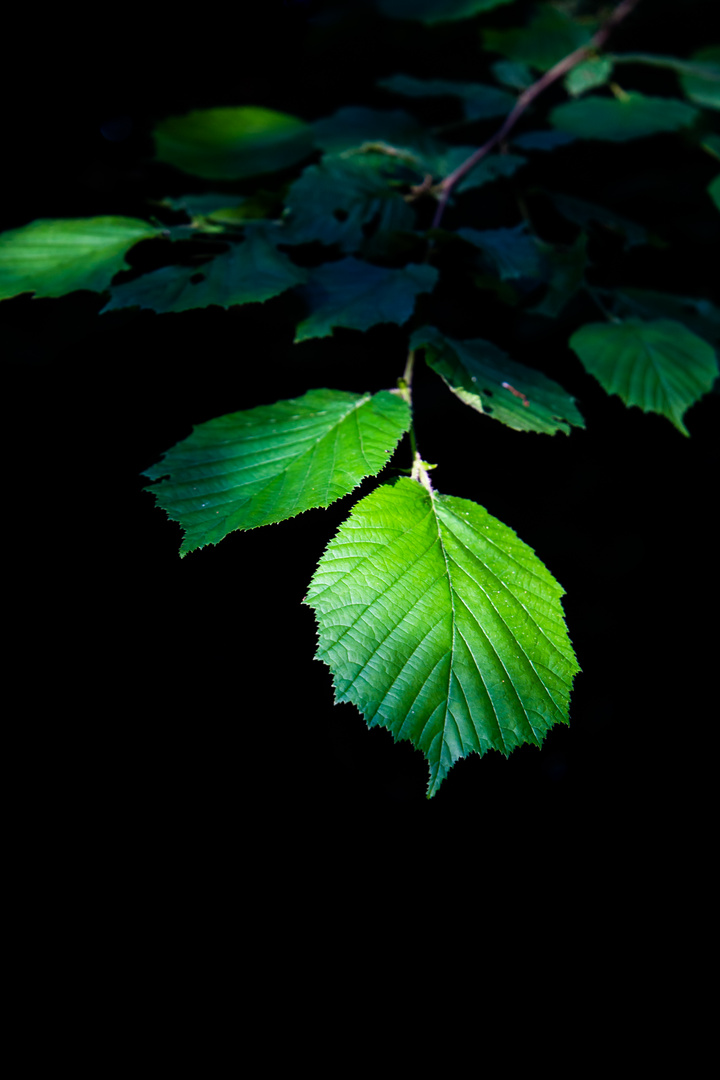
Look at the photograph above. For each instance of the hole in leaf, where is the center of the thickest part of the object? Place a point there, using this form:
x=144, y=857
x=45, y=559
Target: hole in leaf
x=488, y=393
x=197, y=278
x=340, y=215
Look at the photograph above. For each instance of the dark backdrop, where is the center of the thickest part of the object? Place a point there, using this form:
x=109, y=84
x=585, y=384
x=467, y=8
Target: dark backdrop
x=169, y=711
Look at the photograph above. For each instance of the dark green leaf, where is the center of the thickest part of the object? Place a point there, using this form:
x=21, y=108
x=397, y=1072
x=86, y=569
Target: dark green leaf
x=565, y=274
x=543, y=140
x=250, y=272
x=585, y=213
x=54, y=257
x=232, y=143
x=485, y=378
x=634, y=116
x=697, y=314
x=714, y=191
x=486, y=171
x=395, y=131
x=513, y=252
x=435, y=11
x=703, y=84
x=548, y=37
x=333, y=201
x=359, y=295
x=513, y=73
x=479, y=102
x=264, y=465
x=661, y=366
x=442, y=626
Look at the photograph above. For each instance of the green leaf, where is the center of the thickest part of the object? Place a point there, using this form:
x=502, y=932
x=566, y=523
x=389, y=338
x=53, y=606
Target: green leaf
x=696, y=313
x=232, y=143
x=513, y=73
x=703, y=84
x=485, y=378
x=442, y=626
x=486, y=171
x=435, y=11
x=512, y=251
x=359, y=295
x=588, y=74
x=585, y=213
x=635, y=116
x=543, y=140
x=334, y=201
x=713, y=191
x=548, y=37
x=565, y=275
x=267, y=464
x=661, y=366
x=395, y=131
x=479, y=102
x=250, y=272
x=54, y=257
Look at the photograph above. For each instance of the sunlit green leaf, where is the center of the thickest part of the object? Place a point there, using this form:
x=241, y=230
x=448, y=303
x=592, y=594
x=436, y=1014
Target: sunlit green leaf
x=548, y=37
x=250, y=272
x=484, y=377
x=661, y=366
x=435, y=11
x=232, y=143
x=359, y=295
x=634, y=116
x=442, y=626
x=264, y=465
x=54, y=257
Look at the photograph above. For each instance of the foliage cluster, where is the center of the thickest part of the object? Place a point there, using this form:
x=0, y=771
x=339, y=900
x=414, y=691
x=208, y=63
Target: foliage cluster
x=434, y=618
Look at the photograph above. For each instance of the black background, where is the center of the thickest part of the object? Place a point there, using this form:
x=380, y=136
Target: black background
x=169, y=720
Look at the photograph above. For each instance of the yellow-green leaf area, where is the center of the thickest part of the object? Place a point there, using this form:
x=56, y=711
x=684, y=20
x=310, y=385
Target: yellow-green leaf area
x=263, y=465
x=54, y=257
x=232, y=143
x=442, y=626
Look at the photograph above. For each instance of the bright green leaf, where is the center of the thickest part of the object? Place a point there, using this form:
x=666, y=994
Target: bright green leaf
x=332, y=202
x=479, y=102
x=250, y=272
x=703, y=85
x=484, y=377
x=267, y=464
x=435, y=11
x=232, y=143
x=590, y=73
x=513, y=252
x=661, y=366
x=548, y=37
x=359, y=295
x=442, y=626
x=54, y=257
x=634, y=116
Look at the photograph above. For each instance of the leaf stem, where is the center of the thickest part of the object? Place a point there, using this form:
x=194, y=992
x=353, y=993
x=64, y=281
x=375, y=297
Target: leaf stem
x=405, y=387
x=525, y=99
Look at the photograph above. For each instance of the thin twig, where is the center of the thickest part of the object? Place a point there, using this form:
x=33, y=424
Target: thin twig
x=526, y=98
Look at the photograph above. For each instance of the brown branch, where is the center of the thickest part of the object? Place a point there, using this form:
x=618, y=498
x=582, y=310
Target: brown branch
x=526, y=98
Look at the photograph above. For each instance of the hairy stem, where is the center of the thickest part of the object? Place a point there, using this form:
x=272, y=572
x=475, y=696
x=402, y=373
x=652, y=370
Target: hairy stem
x=526, y=98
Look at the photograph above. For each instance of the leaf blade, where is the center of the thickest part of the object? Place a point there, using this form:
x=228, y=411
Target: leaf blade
x=442, y=626
x=264, y=465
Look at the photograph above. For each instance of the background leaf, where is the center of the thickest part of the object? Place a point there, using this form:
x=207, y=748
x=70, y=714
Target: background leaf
x=250, y=272
x=442, y=626
x=264, y=465
x=595, y=71
x=435, y=11
x=661, y=366
x=484, y=377
x=548, y=37
x=634, y=117
x=54, y=257
x=513, y=252
x=704, y=88
x=479, y=101
x=355, y=126
x=232, y=143
x=359, y=295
